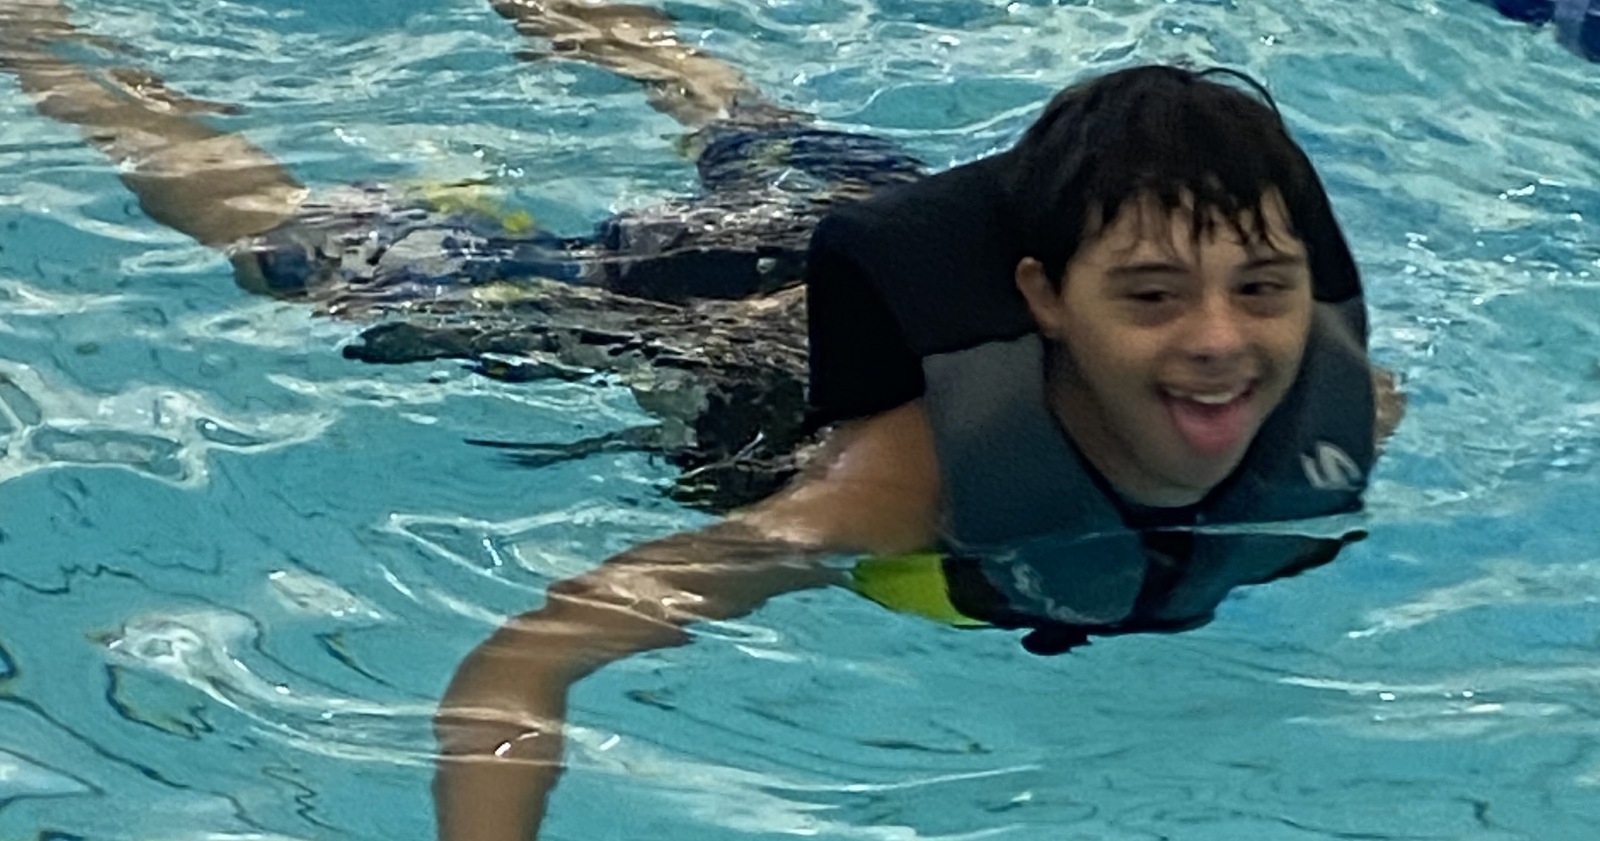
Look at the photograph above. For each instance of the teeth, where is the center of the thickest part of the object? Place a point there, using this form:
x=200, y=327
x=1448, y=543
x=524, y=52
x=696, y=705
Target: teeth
x=1216, y=398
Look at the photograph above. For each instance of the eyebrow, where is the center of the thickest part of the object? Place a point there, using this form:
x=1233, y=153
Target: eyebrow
x=1275, y=259
x=1261, y=260
x=1143, y=268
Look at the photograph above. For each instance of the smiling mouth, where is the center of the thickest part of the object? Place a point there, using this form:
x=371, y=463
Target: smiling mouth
x=1212, y=422
x=1212, y=397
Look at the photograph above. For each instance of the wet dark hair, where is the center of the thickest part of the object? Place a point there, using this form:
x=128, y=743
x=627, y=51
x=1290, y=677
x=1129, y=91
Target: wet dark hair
x=1170, y=133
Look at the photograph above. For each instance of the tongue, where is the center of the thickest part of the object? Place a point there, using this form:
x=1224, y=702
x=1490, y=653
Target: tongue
x=1210, y=430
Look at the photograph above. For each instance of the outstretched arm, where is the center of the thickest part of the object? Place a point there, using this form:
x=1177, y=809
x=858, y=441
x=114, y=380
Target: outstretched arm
x=500, y=726
x=500, y=723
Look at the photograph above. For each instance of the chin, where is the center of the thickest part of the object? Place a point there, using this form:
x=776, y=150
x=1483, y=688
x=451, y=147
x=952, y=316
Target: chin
x=1202, y=479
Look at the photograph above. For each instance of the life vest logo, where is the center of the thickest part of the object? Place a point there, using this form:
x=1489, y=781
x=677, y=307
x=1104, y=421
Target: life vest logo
x=1331, y=469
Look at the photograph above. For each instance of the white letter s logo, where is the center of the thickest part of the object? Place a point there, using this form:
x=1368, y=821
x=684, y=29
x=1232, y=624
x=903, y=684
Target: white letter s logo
x=1332, y=469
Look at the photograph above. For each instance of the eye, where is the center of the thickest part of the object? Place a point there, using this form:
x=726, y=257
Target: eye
x=1265, y=286
x=1151, y=296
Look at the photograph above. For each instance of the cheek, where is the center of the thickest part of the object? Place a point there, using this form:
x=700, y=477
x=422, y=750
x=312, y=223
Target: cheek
x=1111, y=356
x=1114, y=366
x=1289, y=347
x=1117, y=351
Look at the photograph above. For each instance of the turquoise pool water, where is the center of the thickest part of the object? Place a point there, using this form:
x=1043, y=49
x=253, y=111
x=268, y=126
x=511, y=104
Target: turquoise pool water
x=236, y=570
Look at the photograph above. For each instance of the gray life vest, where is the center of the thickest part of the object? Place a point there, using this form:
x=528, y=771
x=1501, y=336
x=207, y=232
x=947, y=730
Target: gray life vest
x=1023, y=505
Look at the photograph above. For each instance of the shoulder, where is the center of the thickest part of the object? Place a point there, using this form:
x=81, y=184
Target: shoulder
x=1389, y=404
x=873, y=486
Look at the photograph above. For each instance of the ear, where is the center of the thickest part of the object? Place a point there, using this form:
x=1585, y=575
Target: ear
x=1044, y=300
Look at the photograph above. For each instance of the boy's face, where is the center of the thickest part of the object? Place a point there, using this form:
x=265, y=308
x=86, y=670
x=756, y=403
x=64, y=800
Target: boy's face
x=1174, y=348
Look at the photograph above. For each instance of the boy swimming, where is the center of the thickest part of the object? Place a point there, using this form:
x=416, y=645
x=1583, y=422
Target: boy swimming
x=1054, y=381
x=1063, y=384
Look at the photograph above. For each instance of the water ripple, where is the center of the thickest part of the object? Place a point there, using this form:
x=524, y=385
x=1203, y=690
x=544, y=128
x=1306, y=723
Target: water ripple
x=265, y=650
x=159, y=432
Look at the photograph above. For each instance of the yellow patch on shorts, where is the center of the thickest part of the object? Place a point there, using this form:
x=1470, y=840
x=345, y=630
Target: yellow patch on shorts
x=477, y=198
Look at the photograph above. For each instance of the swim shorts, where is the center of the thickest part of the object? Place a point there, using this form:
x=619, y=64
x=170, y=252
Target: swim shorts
x=764, y=188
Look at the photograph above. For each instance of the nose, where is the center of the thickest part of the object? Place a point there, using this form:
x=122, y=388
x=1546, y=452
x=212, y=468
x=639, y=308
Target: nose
x=1215, y=333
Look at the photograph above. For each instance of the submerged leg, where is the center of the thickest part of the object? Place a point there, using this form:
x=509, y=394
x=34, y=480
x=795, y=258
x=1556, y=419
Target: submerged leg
x=211, y=185
x=638, y=42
